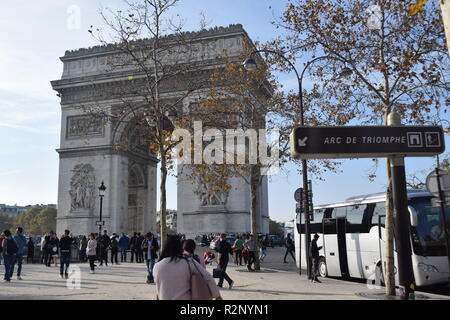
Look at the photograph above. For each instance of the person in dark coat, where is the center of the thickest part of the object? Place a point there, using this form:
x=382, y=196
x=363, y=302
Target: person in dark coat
x=51, y=247
x=114, y=249
x=65, y=247
x=105, y=242
x=289, y=244
x=315, y=259
x=139, y=252
x=30, y=250
x=82, y=249
x=133, y=246
x=224, y=252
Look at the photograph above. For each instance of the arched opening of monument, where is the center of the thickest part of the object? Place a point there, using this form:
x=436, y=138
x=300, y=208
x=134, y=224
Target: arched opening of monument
x=136, y=199
x=139, y=179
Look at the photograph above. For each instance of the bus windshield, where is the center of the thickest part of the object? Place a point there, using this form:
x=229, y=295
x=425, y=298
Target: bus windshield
x=429, y=236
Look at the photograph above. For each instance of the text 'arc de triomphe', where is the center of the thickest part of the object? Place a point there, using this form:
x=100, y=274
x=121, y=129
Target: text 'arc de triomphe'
x=88, y=155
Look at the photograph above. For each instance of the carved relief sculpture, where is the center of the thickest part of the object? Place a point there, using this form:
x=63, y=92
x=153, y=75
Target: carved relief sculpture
x=82, y=188
x=81, y=126
x=210, y=194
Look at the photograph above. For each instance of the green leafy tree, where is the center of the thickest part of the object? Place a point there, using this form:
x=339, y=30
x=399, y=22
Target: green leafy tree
x=6, y=222
x=36, y=221
x=274, y=228
x=27, y=220
x=46, y=220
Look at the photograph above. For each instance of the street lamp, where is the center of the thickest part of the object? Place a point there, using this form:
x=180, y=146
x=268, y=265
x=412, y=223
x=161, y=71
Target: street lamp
x=250, y=65
x=101, y=193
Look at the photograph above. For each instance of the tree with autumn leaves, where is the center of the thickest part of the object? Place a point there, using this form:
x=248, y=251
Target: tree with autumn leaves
x=398, y=61
x=250, y=102
x=140, y=39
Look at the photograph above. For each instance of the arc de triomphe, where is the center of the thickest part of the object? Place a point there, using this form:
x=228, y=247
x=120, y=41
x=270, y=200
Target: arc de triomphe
x=88, y=155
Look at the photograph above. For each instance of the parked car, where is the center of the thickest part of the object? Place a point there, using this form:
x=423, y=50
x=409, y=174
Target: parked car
x=231, y=239
x=276, y=241
x=214, y=243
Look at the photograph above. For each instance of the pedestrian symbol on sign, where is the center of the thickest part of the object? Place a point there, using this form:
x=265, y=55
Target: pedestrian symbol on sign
x=414, y=139
x=432, y=139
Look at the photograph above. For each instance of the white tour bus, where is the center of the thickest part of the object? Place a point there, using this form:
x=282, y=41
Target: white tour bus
x=352, y=236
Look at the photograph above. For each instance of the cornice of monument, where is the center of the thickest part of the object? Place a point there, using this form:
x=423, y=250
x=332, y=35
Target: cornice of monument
x=188, y=35
x=115, y=76
x=106, y=87
x=78, y=152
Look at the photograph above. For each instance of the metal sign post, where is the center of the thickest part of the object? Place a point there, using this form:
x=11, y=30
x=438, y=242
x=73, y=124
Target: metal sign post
x=298, y=197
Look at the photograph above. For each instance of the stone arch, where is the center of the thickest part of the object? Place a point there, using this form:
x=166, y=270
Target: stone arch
x=126, y=127
x=139, y=179
x=137, y=190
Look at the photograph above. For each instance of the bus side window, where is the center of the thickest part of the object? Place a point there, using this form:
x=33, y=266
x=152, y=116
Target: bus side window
x=316, y=224
x=318, y=215
x=339, y=212
x=368, y=216
x=380, y=210
x=355, y=215
x=327, y=213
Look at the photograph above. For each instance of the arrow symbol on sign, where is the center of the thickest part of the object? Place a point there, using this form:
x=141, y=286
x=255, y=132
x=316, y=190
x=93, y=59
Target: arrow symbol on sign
x=302, y=142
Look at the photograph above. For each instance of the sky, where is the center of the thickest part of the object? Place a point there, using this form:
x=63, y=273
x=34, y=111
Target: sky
x=34, y=34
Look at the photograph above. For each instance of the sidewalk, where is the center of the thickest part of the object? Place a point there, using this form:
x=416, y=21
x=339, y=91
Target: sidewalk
x=127, y=282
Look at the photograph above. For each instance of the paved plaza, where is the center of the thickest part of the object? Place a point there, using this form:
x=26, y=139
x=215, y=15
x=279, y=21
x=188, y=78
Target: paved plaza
x=127, y=282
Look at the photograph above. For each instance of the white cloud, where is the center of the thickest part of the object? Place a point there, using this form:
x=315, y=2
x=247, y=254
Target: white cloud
x=9, y=173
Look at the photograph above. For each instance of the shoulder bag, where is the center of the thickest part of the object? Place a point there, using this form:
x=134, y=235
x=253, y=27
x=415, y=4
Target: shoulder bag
x=199, y=286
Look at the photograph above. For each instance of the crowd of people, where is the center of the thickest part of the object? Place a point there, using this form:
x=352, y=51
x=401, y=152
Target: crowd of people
x=172, y=273
x=93, y=249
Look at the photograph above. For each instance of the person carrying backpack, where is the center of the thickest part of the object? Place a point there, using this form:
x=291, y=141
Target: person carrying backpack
x=10, y=250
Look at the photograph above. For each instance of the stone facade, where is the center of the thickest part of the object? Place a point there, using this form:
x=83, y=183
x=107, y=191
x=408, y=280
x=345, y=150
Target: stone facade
x=89, y=154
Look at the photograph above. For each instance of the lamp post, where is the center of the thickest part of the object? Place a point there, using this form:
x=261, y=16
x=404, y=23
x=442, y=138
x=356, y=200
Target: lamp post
x=101, y=193
x=250, y=64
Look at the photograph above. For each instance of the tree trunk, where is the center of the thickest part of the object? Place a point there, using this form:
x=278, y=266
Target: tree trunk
x=254, y=212
x=389, y=223
x=163, y=200
x=389, y=227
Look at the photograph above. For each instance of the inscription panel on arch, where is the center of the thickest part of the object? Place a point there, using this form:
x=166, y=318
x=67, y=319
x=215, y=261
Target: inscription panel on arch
x=83, y=126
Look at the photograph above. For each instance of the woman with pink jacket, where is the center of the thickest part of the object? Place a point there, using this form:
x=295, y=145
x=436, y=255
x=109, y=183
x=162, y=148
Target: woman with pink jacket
x=173, y=273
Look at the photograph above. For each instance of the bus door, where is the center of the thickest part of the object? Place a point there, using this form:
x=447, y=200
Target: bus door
x=341, y=224
x=330, y=245
x=335, y=246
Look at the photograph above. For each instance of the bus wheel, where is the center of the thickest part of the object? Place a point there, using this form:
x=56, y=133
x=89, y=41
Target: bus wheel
x=323, y=268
